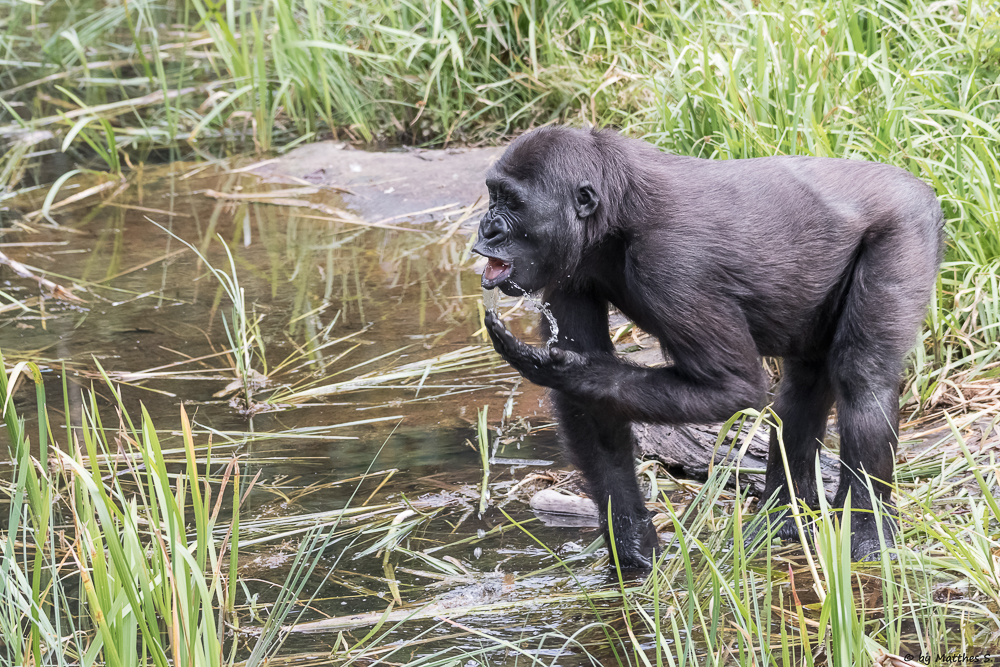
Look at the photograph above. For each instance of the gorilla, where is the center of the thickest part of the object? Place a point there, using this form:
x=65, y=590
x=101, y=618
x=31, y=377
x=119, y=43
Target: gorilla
x=827, y=263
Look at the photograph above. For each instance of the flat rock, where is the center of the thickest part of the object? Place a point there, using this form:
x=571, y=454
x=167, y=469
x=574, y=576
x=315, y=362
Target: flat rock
x=400, y=184
x=555, y=508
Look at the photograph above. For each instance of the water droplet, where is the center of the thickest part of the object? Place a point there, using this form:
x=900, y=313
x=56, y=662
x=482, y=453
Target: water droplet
x=535, y=304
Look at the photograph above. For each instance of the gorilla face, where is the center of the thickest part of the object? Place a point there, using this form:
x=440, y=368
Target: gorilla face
x=528, y=232
x=508, y=238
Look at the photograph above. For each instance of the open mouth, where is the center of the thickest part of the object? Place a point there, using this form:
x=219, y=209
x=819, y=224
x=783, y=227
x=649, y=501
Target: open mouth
x=496, y=272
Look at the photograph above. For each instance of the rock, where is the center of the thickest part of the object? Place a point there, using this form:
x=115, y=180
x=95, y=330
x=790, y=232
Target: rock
x=556, y=508
x=384, y=185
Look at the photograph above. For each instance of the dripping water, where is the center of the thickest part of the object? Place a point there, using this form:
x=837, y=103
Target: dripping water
x=491, y=298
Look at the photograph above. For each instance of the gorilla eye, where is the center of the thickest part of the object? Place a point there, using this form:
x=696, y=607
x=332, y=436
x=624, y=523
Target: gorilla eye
x=506, y=199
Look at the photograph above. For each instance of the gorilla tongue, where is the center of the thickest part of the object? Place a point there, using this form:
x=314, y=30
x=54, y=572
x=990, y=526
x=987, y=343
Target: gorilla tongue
x=495, y=268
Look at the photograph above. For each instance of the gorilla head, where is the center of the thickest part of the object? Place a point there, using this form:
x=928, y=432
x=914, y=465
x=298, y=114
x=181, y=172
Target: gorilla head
x=545, y=210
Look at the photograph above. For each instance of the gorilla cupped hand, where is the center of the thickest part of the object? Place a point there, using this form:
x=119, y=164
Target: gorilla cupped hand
x=549, y=367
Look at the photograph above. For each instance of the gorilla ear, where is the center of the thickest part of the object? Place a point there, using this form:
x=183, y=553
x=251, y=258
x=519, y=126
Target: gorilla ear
x=585, y=200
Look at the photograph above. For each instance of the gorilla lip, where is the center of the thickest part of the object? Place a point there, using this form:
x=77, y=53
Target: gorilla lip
x=496, y=272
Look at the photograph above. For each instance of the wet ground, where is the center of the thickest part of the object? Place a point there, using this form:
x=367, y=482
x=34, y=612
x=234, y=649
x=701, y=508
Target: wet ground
x=357, y=268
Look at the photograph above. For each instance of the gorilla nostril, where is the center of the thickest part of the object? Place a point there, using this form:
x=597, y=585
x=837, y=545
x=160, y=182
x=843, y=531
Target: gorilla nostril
x=493, y=228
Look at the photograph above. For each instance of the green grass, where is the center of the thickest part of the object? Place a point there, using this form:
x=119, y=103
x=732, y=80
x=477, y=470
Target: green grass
x=139, y=582
x=118, y=551
x=483, y=443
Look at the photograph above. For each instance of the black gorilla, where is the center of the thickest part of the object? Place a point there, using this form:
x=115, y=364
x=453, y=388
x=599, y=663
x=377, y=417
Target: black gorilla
x=827, y=263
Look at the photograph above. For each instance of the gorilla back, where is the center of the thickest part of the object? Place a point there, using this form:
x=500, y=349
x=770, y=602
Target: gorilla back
x=827, y=263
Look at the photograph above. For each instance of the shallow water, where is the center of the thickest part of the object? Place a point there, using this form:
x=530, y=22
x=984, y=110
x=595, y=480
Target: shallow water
x=149, y=302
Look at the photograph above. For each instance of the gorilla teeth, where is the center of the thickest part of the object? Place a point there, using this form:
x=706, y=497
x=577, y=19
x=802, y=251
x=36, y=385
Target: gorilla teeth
x=495, y=268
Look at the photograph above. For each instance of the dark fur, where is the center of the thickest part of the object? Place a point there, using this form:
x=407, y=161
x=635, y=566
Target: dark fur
x=826, y=263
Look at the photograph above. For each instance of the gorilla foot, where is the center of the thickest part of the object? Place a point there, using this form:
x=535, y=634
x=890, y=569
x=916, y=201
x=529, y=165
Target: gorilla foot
x=778, y=523
x=635, y=548
x=865, y=544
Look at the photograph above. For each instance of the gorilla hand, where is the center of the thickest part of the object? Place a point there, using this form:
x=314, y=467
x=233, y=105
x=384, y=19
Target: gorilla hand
x=550, y=367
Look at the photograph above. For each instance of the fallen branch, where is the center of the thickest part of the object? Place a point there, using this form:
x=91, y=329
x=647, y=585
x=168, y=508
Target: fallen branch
x=439, y=608
x=689, y=451
x=56, y=290
x=83, y=194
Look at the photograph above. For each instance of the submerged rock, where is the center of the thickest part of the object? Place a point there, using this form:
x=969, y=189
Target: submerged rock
x=557, y=508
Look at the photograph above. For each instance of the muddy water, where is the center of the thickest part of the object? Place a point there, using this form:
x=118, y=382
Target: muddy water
x=313, y=270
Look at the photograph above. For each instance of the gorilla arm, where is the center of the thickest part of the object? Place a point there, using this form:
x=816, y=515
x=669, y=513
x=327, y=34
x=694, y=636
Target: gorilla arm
x=727, y=381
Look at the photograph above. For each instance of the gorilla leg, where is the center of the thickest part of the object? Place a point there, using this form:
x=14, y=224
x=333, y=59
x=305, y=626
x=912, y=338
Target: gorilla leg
x=803, y=404
x=882, y=311
x=601, y=445
x=868, y=423
x=603, y=450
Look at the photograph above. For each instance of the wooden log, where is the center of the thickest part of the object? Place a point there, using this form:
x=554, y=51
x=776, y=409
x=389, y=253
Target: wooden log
x=688, y=450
